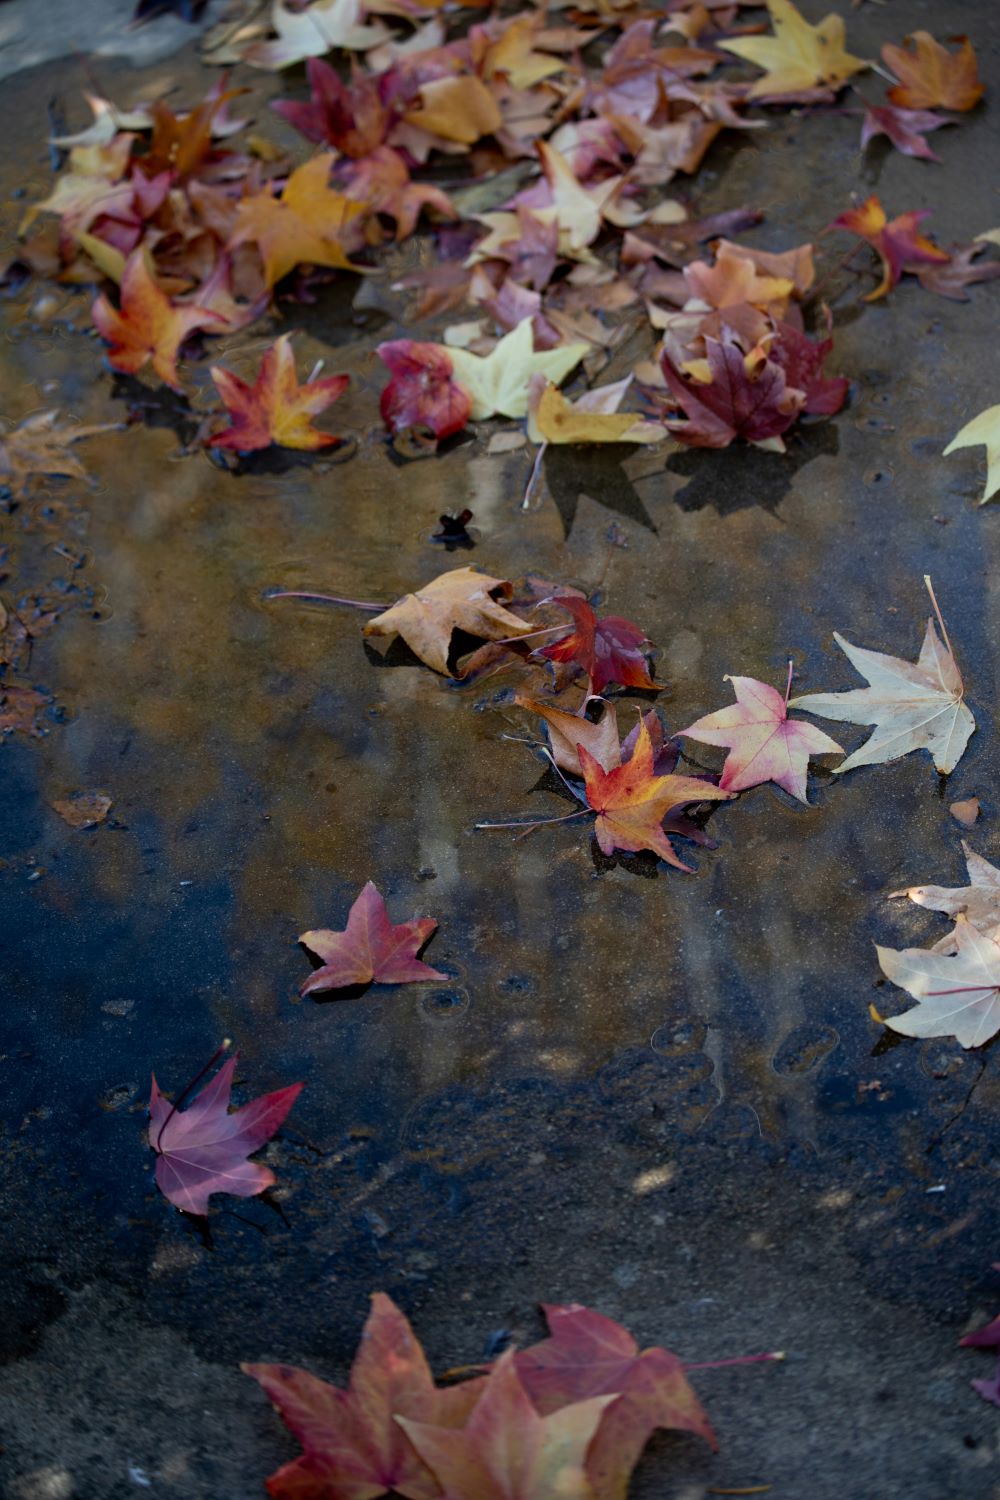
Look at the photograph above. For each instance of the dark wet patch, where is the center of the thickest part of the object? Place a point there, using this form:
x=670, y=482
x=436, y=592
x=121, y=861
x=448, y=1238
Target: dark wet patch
x=742, y=476
x=573, y=472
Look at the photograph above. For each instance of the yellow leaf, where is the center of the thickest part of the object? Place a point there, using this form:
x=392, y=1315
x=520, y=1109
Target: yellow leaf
x=799, y=57
x=497, y=383
x=982, y=430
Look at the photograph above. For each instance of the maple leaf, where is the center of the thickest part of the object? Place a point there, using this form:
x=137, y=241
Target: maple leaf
x=108, y=122
x=461, y=599
x=354, y=1446
x=953, y=277
x=593, y=418
x=148, y=326
x=932, y=76
x=498, y=383
x=978, y=902
x=514, y=54
x=798, y=58
x=905, y=128
x=370, y=949
x=567, y=731
x=350, y=117
x=802, y=360
x=958, y=992
x=306, y=225
x=381, y=182
x=460, y=109
x=898, y=244
x=748, y=396
x=735, y=278
x=765, y=744
x=323, y=25
x=38, y=446
x=422, y=391
x=203, y=1149
x=913, y=705
x=507, y=1451
x=275, y=409
x=631, y=802
x=589, y=1355
x=982, y=431
x=608, y=649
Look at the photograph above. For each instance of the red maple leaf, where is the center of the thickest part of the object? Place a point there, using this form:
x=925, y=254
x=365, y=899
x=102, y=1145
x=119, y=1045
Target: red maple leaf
x=608, y=649
x=370, y=948
x=275, y=409
x=354, y=1447
x=381, y=181
x=589, y=1355
x=422, y=391
x=899, y=245
x=802, y=360
x=905, y=128
x=351, y=117
x=203, y=1149
x=748, y=397
x=953, y=277
x=148, y=326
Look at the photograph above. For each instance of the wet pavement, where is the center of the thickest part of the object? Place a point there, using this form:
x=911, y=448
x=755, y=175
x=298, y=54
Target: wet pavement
x=658, y=1094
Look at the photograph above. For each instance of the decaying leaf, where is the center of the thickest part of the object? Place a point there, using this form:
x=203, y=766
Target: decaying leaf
x=148, y=326
x=913, y=705
x=978, y=902
x=607, y=649
x=276, y=408
x=593, y=418
x=747, y=396
x=567, y=731
x=958, y=992
x=507, y=1451
x=354, y=1445
x=369, y=949
x=982, y=431
x=905, y=128
x=631, y=801
x=305, y=226
x=422, y=391
x=461, y=599
x=966, y=811
x=588, y=1355
x=38, y=447
x=203, y=1149
x=931, y=76
x=899, y=245
x=83, y=809
x=799, y=58
x=764, y=743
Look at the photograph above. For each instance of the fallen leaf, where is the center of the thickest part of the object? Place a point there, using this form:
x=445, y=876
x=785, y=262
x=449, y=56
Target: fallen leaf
x=631, y=802
x=905, y=128
x=461, y=599
x=20, y=708
x=108, y=122
x=381, y=182
x=38, y=447
x=607, y=649
x=370, y=949
x=354, y=1446
x=966, y=812
x=147, y=326
x=748, y=396
x=567, y=731
x=982, y=431
x=898, y=244
x=913, y=705
x=979, y=901
x=802, y=360
x=309, y=33
x=203, y=1149
x=589, y=1355
x=592, y=418
x=83, y=809
x=507, y=1451
x=351, y=117
x=275, y=409
x=953, y=277
x=514, y=55
x=931, y=76
x=305, y=226
x=459, y=109
x=498, y=383
x=958, y=993
x=422, y=391
x=765, y=744
x=798, y=58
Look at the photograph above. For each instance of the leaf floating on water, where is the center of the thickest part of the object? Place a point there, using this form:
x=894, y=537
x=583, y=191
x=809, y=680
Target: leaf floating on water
x=38, y=447
x=370, y=948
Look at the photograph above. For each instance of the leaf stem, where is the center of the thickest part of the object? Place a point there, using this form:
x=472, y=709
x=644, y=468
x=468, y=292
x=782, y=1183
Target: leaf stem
x=535, y=822
x=743, y=1359
x=175, y=1106
x=937, y=611
x=533, y=476
x=788, y=688
x=325, y=599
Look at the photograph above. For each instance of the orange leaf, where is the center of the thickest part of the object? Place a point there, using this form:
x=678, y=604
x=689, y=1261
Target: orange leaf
x=900, y=247
x=930, y=75
x=457, y=109
x=275, y=409
x=147, y=326
x=631, y=802
x=306, y=225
